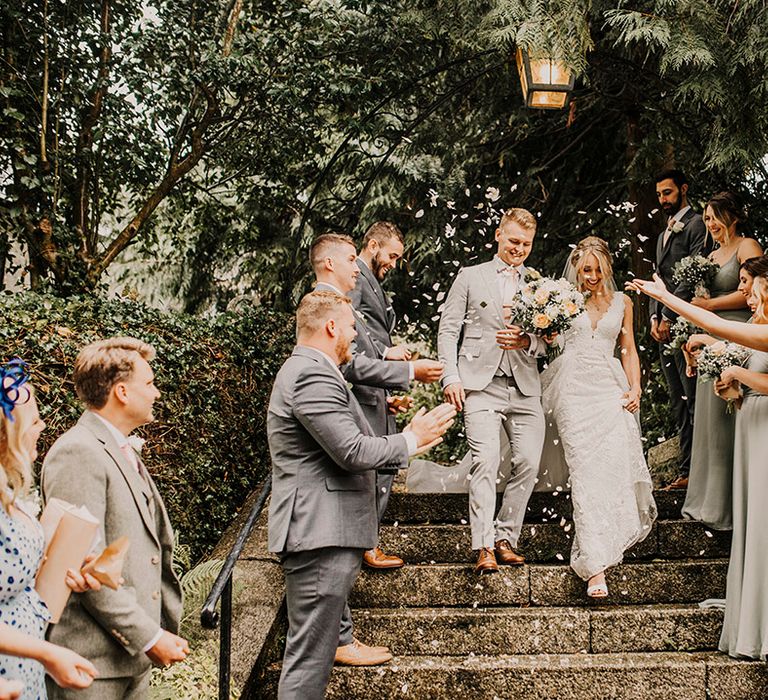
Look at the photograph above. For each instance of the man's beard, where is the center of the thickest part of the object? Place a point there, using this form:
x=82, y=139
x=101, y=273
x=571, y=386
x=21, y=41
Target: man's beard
x=377, y=267
x=671, y=208
x=343, y=350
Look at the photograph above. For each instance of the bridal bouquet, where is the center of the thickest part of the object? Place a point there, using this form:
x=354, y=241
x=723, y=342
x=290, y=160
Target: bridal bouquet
x=546, y=306
x=715, y=358
x=695, y=273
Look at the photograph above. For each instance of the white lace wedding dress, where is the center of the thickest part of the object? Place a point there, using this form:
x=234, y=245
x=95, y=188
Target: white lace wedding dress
x=611, y=489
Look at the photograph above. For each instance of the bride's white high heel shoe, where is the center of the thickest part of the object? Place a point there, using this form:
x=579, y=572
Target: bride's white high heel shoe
x=598, y=590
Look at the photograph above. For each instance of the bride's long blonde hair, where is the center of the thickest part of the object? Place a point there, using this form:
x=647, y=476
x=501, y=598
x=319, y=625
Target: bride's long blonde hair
x=578, y=258
x=15, y=460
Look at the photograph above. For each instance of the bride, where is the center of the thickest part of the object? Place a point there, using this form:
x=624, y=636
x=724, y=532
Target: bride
x=592, y=397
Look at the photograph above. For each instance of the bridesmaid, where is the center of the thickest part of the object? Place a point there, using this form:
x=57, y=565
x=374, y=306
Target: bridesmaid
x=708, y=498
x=745, y=627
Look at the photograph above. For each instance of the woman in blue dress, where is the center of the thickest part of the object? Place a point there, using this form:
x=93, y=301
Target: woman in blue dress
x=25, y=656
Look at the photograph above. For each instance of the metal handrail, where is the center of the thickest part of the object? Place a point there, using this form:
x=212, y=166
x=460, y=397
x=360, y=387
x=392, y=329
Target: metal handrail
x=222, y=589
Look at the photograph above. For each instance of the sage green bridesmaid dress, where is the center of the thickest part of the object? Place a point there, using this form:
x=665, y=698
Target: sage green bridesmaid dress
x=709, y=483
x=745, y=626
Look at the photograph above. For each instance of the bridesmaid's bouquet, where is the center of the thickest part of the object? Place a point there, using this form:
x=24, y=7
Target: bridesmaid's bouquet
x=680, y=332
x=714, y=359
x=695, y=273
x=546, y=306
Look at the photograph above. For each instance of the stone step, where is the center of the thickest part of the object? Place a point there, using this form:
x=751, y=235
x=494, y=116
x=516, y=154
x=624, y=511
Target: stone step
x=407, y=507
x=489, y=631
x=449, y=585
x=551, y=542
x=622, y=676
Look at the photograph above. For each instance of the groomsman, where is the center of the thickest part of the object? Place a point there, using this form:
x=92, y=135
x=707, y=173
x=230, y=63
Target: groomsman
x=322, y=514
x=491, y=371
x=382, y=247
x=684, y=235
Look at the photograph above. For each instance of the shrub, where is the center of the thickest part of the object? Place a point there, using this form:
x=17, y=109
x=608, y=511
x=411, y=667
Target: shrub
x=207, y=448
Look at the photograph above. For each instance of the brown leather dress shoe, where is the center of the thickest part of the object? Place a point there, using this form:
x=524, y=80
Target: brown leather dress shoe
x=359, y=654
x=486, y=562
x=680, y=483
x=376, y=559
x=506, y=555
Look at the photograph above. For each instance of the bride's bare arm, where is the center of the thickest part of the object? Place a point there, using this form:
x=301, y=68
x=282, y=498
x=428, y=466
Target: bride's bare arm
x=751, y=335
x=630, y=360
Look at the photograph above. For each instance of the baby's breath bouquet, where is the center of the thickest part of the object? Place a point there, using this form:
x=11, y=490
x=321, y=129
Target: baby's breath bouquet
x=680, y=333
x=715, y=358
x=545, y=305
x=695, y=273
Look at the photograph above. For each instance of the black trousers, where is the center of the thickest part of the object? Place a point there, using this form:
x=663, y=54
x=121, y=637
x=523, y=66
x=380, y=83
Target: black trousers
x=682, y=398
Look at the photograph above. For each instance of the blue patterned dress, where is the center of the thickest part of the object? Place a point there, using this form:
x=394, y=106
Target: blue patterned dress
x=21, y=549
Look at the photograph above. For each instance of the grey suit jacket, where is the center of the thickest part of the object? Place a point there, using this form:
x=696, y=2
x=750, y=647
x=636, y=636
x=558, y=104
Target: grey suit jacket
x=369, y=299
x=466, y=336
x=324, y=458
x=690, y=241
x=86, y=467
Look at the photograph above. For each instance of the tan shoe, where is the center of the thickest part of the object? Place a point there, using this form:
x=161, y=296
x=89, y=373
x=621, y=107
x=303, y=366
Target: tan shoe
x=376, y=559
x=680, y=483
x=486, y=562
x=358, y=654
x=506, y=555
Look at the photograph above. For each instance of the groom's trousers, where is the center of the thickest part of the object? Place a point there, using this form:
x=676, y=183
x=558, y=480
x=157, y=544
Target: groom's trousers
x=682, y=396
x=486, y=411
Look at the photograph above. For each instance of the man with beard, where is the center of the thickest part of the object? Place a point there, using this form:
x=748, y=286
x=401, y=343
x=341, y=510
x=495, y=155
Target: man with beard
x=383, y=246
x=684, y=235
x=322, y=515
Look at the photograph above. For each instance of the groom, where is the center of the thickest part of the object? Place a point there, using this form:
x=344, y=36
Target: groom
x=491, y=371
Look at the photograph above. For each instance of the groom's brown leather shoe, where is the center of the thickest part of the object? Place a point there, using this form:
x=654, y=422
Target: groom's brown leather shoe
x=359, y=654
x=376, y=559
x=486, y=562
x=506, y=555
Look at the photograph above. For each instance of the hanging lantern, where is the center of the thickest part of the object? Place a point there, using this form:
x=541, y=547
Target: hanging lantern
x=546, y=83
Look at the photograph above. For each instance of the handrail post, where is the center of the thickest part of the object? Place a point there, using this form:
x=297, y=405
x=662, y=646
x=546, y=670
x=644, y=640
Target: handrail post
x=225, y=641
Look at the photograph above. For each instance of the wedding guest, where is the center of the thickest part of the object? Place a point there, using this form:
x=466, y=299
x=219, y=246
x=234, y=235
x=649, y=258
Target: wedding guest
x=491, y=372
x=335, y=264
x=592, y=396
x=708, y=498
x=94, y=465
x=745, y=625
x=383, y=246
x=322, y=514
x=25, y=656
x=684, y=235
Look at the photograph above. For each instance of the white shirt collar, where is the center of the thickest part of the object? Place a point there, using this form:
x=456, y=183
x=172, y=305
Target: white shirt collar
x=120, y=439
x=681, y=213
x=500, y=264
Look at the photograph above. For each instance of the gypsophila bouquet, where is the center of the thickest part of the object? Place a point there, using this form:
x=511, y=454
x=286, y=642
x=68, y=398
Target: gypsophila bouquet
x=680, y=332
x=545, y=305
x=715, y=358
x=695, y=273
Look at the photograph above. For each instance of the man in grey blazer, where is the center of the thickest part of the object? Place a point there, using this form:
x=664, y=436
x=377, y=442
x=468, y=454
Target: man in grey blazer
x=491, y=371
x=322, y=514
x=684, y=235
x=334, y=262
x=94, y=465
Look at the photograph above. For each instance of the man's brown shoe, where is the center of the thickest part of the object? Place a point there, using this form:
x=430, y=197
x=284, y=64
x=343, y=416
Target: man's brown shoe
x=486, y=562
x=680, y=483
x=358, y=654
x=506, y=555
x=376, y=559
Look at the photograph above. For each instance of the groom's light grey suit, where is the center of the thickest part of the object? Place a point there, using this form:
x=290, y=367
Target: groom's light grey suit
x=322, y=514
x=502, y=391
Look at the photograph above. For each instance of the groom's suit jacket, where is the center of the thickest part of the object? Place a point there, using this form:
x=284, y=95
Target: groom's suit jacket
x=690, y=241
x=371, y=375
x=324, y=457
x=466, y=337
x=85, y=467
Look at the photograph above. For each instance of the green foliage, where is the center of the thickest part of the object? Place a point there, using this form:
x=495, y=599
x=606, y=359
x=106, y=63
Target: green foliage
x=207, y=447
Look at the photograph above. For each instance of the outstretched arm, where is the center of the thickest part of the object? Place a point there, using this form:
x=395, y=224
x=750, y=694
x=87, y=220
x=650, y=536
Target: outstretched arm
x=750, y=335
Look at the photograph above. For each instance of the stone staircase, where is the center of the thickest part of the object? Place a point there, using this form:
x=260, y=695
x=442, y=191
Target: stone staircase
x=530, y=632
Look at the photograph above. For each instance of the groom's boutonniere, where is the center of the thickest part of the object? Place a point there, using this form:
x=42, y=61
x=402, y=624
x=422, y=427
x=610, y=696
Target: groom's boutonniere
x=677, y=226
